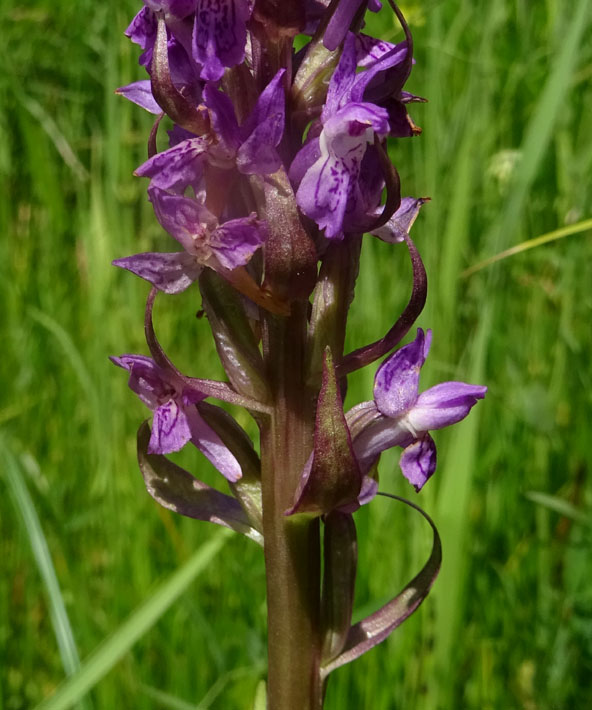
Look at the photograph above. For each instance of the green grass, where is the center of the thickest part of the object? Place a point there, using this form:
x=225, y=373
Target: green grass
x=506, y=156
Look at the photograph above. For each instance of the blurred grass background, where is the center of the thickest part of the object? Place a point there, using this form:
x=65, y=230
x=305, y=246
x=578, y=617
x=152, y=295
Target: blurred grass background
x=506, y=156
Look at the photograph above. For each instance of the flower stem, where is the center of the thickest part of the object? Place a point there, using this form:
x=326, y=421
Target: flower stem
x=292, y=545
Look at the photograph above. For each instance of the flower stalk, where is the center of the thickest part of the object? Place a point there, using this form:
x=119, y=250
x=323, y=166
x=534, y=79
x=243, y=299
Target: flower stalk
x=292, y=544
x=277, y=166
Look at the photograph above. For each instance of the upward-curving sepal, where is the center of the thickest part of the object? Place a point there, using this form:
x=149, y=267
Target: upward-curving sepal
x=332, y=479
x=176, y=489
x=370, y=353
x=375, y=628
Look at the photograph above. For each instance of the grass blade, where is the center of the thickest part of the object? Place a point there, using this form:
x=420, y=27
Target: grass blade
x=57, y=609
x=553, y=236
x=540, y=128
x=560, y=506
x=108, y=653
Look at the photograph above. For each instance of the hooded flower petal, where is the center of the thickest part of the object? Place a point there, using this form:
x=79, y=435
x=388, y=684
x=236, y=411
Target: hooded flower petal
x=146, y=379
x=397, y=380
x=418, y=461
x=171, y=273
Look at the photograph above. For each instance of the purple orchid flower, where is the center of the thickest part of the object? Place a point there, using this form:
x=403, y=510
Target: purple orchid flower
x=249, y=148
x=330, y=186
x=222, y=247
x=400, y=416
x=176, y=419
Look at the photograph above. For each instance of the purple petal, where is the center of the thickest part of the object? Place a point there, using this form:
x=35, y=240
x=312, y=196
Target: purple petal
x=220, y=35
x=184, y=73
x=142, y=31
x=444, y=404
x=371, y=182
x=341, y=20
x=383, y=78
x=176, y=168
x=379, y=435
x=185, y=219
x=418, y=461
x=369, y=490
x=369, y=49
x=342, y=79
x=323, y=192
x=306, y=157
x=401, y=222
x=212, y=447
x=234, y=242
x=263, y=130
x=171, y=273
x=224, y=120
x=397, y=380
x=177, y=135
x=170, y=429
x=140, y=93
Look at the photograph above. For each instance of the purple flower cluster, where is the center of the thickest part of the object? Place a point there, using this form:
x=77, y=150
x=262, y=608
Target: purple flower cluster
x=212, y=58
x=276, y=166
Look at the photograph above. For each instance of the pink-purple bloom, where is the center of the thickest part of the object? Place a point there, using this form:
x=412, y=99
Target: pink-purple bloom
x=401, y=416
x=176, y=420
x=337, y=170
x=221, y=246
x=249, y=148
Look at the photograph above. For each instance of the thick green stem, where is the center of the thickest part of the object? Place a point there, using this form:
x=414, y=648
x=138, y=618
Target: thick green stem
x=292, y=546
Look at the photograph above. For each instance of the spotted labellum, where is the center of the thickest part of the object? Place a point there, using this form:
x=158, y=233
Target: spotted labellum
x=274, y=165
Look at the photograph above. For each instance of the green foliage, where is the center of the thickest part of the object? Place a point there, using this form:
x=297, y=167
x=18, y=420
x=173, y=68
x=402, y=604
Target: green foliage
x=506, y=155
